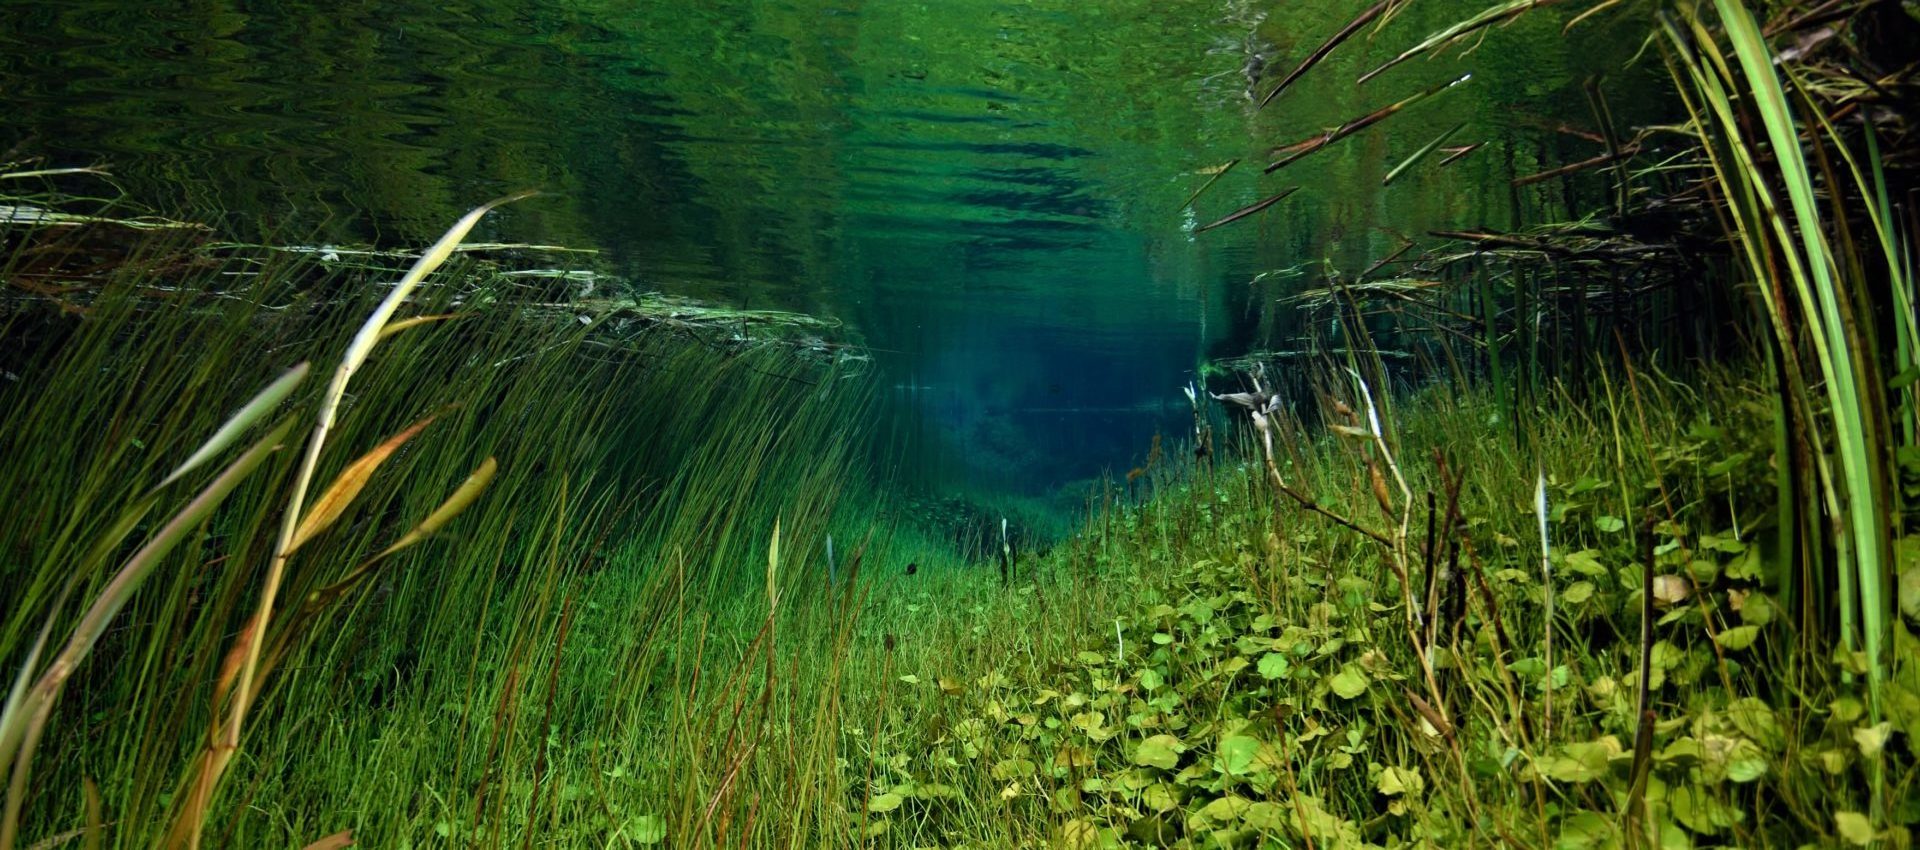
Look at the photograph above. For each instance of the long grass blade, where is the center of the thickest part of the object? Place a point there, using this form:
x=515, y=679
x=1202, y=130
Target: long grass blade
x=260, y=405
x=95, y=826
x=1489, y=17
x=1865, y=516
x=461, y=498
x=1583, y=16
x=1456, y=154
x=1546, y=588
x=18, y=737
x=417, y=321
x=1215, y=173
x=12, y=716
x=356, y=356
x=773, y=571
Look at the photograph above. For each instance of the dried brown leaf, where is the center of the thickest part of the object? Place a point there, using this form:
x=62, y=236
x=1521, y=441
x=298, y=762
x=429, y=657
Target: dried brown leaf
x=333, y=503
x=1670, y=589
x=1379, y=483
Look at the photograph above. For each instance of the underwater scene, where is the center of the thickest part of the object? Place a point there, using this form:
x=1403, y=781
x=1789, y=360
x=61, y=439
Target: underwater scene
x=960, y=424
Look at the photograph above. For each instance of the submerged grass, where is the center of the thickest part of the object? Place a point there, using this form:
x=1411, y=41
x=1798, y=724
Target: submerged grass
x=615, y=647
x=562, y=571
x=580, y=495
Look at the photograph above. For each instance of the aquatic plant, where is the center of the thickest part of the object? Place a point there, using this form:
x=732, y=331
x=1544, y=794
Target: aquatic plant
x=1781, y=137
x=1854, y=484
x=563, y=583
x=562, y=541
x=1266, y=688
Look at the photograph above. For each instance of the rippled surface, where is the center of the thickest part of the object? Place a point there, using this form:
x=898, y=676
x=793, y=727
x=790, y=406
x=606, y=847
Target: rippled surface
x=988, y=191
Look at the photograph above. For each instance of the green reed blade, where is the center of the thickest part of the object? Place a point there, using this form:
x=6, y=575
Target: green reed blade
x=1864, y=514
x=1421, y=154
x=260, y=405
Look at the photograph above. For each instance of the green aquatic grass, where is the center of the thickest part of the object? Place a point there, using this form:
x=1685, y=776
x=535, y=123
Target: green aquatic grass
x=623, y=483
x=1801, y=258
x=1844, y=369
x=573, y=590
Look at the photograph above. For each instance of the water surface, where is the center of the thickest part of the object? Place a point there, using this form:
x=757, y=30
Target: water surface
x=987, y=192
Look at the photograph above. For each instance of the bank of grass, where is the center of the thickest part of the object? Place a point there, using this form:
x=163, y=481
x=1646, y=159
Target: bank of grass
x=523, y=586
x=1370, y=634
x=1221, y=667
x=631, y=637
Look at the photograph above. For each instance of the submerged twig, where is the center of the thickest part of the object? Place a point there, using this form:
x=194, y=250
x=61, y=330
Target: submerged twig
x=1326, y=48
x=1248, y=210
x=1286, y=155
x=1498, y=14
x=1215, y=173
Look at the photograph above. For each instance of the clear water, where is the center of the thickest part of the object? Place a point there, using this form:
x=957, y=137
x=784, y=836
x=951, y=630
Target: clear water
x=987, y=192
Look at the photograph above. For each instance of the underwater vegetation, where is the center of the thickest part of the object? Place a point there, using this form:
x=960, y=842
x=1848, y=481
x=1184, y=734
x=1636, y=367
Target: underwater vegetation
x=174, y=513
x=1586, y=524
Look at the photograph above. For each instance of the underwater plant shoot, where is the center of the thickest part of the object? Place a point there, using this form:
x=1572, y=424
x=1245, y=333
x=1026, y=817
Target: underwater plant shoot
x=967, y=424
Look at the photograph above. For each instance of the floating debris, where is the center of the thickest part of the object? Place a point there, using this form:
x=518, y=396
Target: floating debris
x=77, y=264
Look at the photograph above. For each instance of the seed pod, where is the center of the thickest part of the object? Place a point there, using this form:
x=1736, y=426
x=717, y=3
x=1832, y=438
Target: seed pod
x=1379, y=482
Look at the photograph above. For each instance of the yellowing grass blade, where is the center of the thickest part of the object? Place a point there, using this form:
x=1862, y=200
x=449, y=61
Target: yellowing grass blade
x=1214, y=174
x=96, y=826
x=1583, y=16
x=333, y=504
x=773, y=570
x=417, y=321
x=434, y=257
x=357, y=352
x=230, y=665
x=20, y=731
x=461, y=499
x=12, y=719
x=356, y=355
